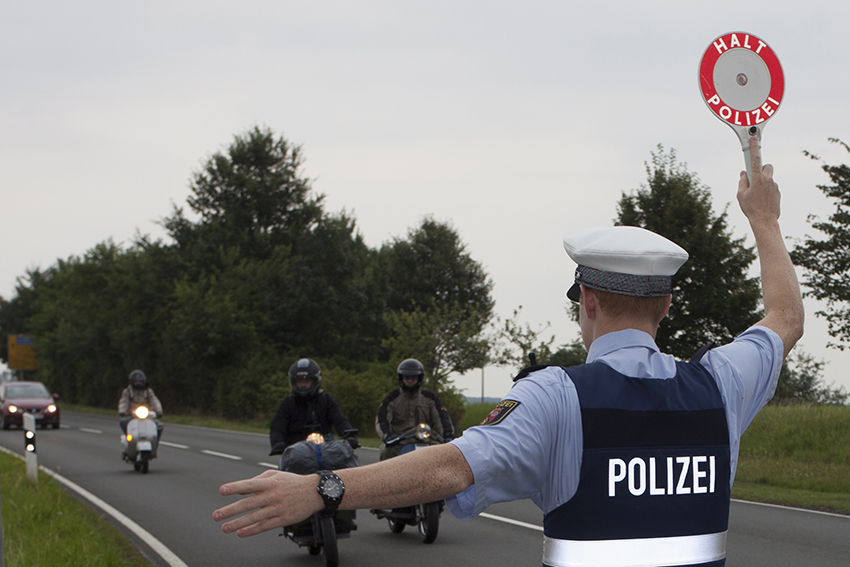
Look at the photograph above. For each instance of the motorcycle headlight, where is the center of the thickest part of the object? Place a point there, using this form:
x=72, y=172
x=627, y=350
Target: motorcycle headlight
x=423, y=432
x=13, y=409
x=316, y=438
x=51, y=408
x=141, y=412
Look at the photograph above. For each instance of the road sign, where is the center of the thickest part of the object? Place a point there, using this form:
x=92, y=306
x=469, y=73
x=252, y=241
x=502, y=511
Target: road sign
x=742, y=83
x=21, y=353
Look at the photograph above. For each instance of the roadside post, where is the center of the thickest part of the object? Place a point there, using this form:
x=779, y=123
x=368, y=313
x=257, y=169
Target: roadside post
x=742, y=83
x=29, y=447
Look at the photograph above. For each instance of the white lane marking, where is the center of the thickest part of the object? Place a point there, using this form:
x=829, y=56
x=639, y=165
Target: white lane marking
x=175, y=445
x=87, y=430
x=167, y=555
x=271, y=466
x=63, y=426
x=512, y=522
x=791, y=508
x=225, y=455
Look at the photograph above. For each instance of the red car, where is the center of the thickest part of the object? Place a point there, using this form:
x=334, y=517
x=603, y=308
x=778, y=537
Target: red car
x=30, y=397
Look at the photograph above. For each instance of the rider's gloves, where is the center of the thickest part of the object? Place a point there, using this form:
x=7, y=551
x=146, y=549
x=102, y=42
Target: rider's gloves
x=277, y=449
x=354, y=442
x=122, y=414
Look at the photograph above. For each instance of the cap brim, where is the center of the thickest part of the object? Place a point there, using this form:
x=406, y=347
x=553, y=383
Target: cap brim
x=574, y=293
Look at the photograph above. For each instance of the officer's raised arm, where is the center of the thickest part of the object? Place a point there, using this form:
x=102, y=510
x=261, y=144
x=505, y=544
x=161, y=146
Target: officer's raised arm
x=760, y=202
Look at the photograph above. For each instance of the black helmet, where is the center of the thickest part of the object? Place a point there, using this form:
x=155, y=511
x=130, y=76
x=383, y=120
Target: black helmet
x=411, y=367
x=305, y=368
x=138, y=380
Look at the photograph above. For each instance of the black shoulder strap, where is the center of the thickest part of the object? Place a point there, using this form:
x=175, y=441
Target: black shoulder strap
x=526, y=371
x=701, y=352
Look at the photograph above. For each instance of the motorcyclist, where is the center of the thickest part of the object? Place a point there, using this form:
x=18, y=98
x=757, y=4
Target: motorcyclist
x=307, y=409
x=136, y=394
x=409, y=405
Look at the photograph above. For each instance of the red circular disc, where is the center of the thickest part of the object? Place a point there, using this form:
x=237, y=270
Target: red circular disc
x=741, y=79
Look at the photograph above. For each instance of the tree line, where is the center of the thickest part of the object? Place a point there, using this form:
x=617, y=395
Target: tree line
x=256, y=273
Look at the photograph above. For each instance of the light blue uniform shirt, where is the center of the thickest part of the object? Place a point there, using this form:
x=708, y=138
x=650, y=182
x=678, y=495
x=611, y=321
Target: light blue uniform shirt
x=535, y=452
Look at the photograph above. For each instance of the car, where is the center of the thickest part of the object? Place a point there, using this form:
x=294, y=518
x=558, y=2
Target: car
x=17, y=398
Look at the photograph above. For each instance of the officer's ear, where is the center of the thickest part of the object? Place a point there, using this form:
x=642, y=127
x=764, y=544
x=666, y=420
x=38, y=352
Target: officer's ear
x=588, y=302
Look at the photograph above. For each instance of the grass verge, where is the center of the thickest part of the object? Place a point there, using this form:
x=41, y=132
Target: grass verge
x=44, y=525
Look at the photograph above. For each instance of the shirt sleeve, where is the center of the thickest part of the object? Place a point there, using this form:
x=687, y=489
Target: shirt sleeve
x=532, y=451
x=746, y=371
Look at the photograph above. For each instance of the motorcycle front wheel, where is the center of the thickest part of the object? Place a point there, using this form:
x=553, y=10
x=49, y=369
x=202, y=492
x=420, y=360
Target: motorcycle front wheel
x=429, y=522
x=145, y=461
x=329, y=541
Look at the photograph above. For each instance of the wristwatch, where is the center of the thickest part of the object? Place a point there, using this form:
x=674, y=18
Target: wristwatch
x=331, y=489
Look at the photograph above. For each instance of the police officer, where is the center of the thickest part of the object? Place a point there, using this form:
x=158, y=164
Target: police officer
x=631, y=456
x=307, y=409
x=406, y=406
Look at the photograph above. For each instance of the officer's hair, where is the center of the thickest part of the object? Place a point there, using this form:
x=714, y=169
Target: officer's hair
x=617, y=305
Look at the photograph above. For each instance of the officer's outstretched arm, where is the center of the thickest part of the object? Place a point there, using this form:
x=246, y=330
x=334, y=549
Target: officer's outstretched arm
x=278, y=499
x=759, y=199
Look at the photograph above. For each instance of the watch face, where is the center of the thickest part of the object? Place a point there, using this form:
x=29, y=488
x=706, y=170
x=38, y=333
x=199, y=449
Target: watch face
x=332, y=488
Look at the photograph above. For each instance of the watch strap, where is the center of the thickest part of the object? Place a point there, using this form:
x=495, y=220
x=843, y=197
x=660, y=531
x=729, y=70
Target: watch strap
x=331, y=502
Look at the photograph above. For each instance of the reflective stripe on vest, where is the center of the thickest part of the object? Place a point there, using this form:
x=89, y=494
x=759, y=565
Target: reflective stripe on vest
x=648, y=552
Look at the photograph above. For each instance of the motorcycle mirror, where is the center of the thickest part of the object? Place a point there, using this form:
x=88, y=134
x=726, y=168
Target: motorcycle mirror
x=742, y=83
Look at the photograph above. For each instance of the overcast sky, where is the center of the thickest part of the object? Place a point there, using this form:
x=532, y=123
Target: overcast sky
x=517, y=122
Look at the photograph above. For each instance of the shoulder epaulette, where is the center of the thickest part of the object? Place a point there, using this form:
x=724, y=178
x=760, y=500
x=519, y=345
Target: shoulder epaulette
x=526, y=371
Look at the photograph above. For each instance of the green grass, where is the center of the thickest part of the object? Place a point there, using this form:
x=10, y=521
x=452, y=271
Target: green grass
x=45, y=526
x=797, y=456
x=474, y=414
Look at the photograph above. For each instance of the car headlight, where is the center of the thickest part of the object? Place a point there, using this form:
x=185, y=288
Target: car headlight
x=51, y=408
x=13, y=409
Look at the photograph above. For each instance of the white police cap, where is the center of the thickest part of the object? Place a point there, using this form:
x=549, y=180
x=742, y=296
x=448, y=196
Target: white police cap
x=626, y=260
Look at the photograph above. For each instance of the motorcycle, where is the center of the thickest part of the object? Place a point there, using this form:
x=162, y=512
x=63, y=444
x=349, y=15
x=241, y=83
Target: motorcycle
x=426, y=516
x=320, y=532
x=141, y=441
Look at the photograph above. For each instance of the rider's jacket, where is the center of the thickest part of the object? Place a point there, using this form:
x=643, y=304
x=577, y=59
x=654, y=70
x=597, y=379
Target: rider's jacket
x=131, y=398
x=297, y=416
x=401, y=411
x=655, y=472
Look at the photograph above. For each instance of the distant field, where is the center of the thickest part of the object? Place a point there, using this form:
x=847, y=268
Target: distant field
x=798, y=456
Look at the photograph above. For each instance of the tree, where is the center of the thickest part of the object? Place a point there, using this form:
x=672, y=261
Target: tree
x=518, y=340
x=438, y=301
x=801, y=382
x=252, y=198
x=713, y=299
x=826, y=262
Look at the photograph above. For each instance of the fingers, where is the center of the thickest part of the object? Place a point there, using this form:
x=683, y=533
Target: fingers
x=755, y=155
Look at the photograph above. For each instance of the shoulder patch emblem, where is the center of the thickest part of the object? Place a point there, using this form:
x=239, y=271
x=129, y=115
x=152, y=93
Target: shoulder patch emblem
x=500, y=412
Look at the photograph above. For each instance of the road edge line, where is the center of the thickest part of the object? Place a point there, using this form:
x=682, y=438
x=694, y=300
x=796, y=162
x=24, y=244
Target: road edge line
x=157, y=546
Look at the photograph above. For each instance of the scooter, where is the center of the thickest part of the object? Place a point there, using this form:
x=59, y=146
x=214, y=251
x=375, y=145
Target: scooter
x=320, y=532
x=426, y=516
x=140, y=443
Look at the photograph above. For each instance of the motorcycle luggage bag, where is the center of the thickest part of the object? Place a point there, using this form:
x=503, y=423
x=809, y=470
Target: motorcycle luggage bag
x=306, y=457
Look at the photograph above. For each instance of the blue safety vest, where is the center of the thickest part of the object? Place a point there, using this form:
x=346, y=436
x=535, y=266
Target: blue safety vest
x=655, y=473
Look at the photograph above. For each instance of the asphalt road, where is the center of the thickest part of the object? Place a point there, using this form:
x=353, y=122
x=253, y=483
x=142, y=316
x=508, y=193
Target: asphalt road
x=174, y=502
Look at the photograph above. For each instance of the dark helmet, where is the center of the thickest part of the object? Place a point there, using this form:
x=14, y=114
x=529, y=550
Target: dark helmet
x=411, y=367
x=305, y=368
x=138, y=380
